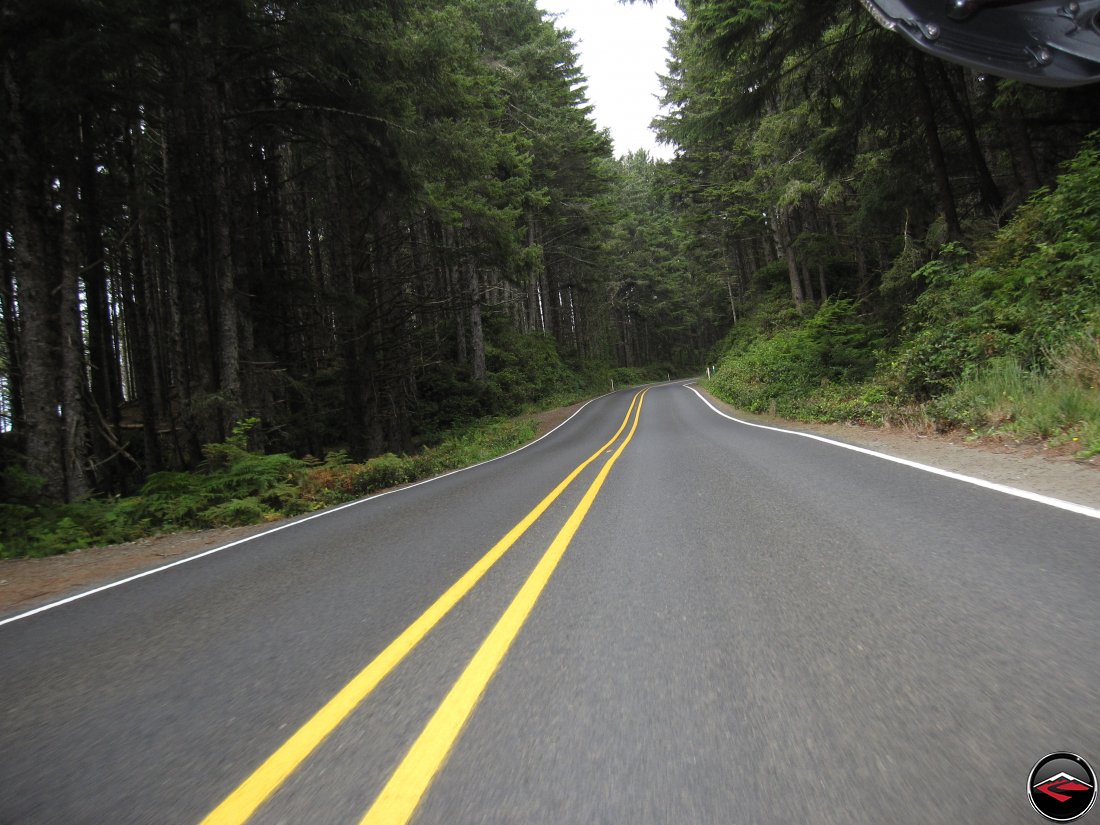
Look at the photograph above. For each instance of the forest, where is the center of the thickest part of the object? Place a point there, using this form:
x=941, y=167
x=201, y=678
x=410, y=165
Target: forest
x=904, y=241
x=261, y=257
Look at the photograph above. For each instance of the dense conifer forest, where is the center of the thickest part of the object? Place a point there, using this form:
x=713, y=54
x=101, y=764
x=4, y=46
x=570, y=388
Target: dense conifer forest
x=247, y=246
x=902, y=240
x=359, y=222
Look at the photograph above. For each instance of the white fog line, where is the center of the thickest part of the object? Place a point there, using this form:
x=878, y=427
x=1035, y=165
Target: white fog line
x=1080, y=509
x=287, y=526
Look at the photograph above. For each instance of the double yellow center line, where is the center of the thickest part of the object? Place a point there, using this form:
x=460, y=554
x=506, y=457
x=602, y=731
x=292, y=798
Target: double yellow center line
x=411, y=780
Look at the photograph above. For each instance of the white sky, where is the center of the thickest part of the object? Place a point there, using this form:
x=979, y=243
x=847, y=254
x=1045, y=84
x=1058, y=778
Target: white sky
x=621, y=50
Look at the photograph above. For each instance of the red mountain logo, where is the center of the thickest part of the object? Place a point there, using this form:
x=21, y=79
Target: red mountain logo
x=1062, y=787
x=1068, y=789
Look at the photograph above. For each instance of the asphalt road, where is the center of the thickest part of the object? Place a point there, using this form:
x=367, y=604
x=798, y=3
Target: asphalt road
x=712, y=623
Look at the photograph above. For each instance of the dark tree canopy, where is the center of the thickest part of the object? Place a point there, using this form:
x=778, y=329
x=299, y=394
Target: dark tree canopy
x=339, y=218
x=357, y=221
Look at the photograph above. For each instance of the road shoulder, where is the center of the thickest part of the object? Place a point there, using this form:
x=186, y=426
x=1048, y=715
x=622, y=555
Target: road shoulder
x=1014, y=464
x=26, y=583
x=29, y=582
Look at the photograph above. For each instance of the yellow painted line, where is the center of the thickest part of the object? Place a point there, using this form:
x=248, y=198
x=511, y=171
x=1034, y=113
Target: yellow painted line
x=240, y=805
x=402, y=794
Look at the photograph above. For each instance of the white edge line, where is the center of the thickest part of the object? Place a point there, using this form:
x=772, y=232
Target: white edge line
x=330, y=511
x=1080, y=509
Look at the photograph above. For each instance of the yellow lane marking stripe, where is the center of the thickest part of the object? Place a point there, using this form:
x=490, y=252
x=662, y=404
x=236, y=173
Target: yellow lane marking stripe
x=402, y=794
x=243, y=802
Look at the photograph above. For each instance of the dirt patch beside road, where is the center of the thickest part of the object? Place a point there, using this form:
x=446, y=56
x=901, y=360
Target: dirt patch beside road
x=549, y=419
x=25, y=583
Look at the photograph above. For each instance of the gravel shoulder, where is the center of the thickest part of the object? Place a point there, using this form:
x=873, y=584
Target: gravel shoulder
x=27, y=583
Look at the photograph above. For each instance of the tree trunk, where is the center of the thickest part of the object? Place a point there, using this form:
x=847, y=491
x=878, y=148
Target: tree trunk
x=103, y=365
x=106, y=382
x=349, y=321
x=808, y=283
x=861, y=267
x=41, y=438
x=1019, y=144
x=176, y=378
x=14, y=374
x=139, y=312
x=74, y=421
x=548, y=305
x=990, y=194
x=477, y=334
x=534, y=306
x=927, y=113
x=229, y=356
x=783, y=247
x=751, y=262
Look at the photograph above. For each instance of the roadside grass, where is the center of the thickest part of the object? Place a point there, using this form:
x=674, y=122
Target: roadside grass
x=1060, y=407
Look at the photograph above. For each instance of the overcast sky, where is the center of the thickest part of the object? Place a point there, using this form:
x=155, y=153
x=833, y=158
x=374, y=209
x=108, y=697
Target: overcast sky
x=622, y=50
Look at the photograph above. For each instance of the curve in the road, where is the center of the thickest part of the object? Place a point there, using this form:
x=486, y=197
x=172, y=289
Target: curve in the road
x=1061, y=504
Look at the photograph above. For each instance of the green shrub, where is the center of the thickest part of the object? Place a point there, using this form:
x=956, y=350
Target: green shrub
x=1034, y=288
x=381, y=472
x=525, y=368
x=252, y=474
x=988, y=397
x=235, y=513
x=172, y=499
x=17, y=486
x=62, y=536
x=783, y=372
x=863, y=403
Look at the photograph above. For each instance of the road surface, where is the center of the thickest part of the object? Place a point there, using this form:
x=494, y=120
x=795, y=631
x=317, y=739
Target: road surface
x=709, y=623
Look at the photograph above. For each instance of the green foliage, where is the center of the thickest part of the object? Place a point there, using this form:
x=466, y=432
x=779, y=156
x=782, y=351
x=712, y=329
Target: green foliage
x=253, y=474
x=46, y=529
x=524, y=369
x=327, y=485
x=238, y=487
x=66, y=534
x=781, y=372
x=336, y=458
x=671, y=306
x=1002, y=396
x=381, y=472
x=476, y=444
x=1003, y=341
x=172, y=499
x=19, y=486
x=1034, y=287
x=235, y=513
